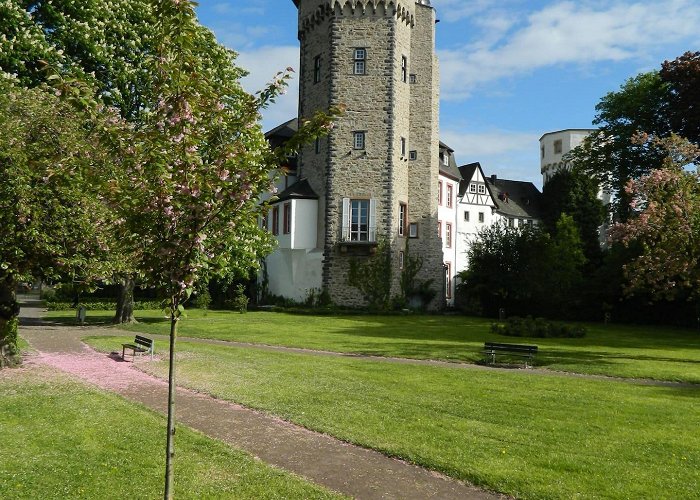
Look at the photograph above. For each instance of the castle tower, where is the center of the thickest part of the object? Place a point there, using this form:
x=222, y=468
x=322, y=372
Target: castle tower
x=376, y=174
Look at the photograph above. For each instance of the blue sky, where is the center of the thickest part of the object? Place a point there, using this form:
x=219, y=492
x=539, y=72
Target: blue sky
x=511, y=70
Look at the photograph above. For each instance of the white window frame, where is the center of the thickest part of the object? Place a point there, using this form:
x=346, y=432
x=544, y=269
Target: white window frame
x=448, y=194
x=481, y=217
x=359, y=61
x=448, y=235
x=403, y=218
x=359, y=140
x=482, y=189
x=359, y=220
x=472, y=187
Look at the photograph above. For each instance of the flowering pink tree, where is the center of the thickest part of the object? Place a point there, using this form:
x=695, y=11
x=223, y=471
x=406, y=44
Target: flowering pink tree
x=666, y=225
x=189, y=190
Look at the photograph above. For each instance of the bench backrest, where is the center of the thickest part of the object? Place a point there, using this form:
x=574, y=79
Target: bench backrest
x=499, y=346
x=144, y=341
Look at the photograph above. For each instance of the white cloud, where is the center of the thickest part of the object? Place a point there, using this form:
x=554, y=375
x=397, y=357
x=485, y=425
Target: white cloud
x=263, y=63
x=563, y=33
x=508, y=154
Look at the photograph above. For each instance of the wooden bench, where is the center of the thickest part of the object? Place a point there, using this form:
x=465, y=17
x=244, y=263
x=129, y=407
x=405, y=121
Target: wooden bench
x=522, y=350
x=141, y=345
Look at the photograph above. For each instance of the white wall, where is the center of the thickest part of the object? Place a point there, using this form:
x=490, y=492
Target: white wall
x=447, y=215
x=304, y=226
x=293, y=273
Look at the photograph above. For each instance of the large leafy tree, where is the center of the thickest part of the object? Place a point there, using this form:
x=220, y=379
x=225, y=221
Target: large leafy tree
x=665, y=227
x=52, y=220
x=525, y=270
x=682, y=75
x=610, y=156
x=576, y=194
x=110, y=45
x=194, y=170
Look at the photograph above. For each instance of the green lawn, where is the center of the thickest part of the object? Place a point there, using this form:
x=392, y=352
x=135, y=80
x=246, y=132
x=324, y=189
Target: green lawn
x=62, y=439
x=625, y=351
x=518, y=432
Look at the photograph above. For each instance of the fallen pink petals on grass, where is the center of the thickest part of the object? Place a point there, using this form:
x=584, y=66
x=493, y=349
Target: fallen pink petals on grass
x=100, y=369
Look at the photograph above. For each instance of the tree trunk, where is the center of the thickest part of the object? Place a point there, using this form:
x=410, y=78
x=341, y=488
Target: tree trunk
x=125, y=301
x=9, y=321
x=170, y=445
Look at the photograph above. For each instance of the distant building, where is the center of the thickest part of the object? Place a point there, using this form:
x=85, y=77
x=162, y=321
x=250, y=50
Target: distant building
x=553, y=146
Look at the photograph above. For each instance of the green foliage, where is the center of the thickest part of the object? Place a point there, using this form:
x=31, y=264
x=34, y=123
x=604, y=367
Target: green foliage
x=9, y=352
x=682, y=75
x=373, y=277
x=95, y=304
x=239, y=301
x=409, y=288
x=537, y=328
x=202, y=300
x=666, y=226
x=524, y=270
x=576, y=194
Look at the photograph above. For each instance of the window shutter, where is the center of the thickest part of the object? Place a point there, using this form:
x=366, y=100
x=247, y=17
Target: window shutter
x=372, y=220
x=346, y=220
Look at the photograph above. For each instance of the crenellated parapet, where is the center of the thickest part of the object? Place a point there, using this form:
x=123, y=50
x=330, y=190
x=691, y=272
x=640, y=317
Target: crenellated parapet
x=320, y=10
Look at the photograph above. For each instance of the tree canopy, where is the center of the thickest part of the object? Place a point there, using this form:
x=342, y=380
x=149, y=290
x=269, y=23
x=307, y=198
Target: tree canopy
x=665, y=225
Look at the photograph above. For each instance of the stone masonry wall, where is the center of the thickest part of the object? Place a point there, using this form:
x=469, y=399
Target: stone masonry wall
x=387, y=109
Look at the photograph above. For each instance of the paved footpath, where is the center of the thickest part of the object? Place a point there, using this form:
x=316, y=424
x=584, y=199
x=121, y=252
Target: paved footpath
x=337, y=465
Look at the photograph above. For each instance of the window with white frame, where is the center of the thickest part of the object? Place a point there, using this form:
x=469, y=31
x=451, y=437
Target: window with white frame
x=359, y=220
x=439, y=229
x=472, y=187
x=359, y=61
x=482, y=189
x=401, y=259
x=403, y=216
x=440, y=193
x=358, y=140
x=404, y=69
x=449, y=195
x=448, y=235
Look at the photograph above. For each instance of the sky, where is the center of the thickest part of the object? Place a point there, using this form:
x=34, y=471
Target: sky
x=510, y=70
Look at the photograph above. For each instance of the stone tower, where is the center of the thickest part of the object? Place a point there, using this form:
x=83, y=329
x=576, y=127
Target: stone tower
x=376, y=174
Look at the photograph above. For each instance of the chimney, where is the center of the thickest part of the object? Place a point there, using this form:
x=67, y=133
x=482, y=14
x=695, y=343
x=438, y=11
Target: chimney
x=493, y=179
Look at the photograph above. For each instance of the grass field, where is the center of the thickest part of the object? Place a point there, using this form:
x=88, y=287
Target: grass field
x=518, y=432
x=617, y=350
x=62, y=439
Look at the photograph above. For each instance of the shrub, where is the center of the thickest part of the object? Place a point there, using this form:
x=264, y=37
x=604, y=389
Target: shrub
x=537, y=328
x=95, y=304
x=239, y=301
x=203, y=299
